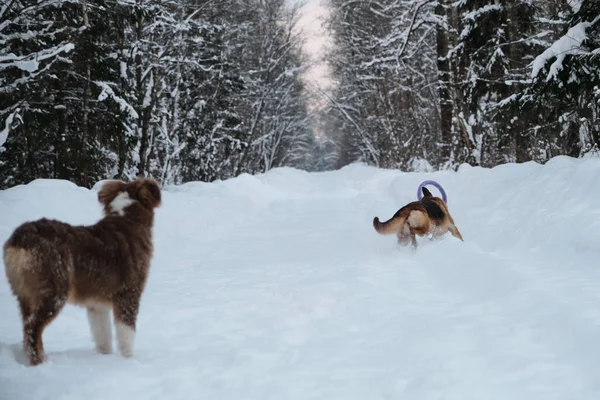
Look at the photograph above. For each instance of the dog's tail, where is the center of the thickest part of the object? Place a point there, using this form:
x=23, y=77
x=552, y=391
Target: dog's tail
x=393, y=225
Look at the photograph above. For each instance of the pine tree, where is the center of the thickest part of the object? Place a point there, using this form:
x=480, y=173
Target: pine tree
x=564, y=94
x=385, y=99
x=49, y=91
x=166, y=89
x=487, y=62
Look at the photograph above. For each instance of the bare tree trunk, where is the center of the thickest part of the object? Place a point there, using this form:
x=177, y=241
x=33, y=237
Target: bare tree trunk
x=443, y=65
x=461, y=141
x=144, y=114
x=144, y=145
x=86, y=100
x=123, y=80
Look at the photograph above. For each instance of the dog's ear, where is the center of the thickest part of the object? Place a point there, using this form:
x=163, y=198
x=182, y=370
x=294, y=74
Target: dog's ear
x=426, y=192
x=109, y=191
x=148, y=193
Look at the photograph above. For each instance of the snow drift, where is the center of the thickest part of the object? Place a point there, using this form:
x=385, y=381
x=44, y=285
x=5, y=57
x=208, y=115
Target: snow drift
x=276, y=286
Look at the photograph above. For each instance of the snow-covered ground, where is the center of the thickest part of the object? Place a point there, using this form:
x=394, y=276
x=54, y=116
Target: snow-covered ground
x=277, y=287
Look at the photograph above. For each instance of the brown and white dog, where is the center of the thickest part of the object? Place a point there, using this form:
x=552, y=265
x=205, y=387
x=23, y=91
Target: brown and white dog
x=428, y=215
x=101, y=266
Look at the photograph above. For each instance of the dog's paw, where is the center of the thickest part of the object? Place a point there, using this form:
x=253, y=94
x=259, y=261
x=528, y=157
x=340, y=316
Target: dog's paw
x=125, y=338
x=104, y=349
x=36, y=359
x=126, y=352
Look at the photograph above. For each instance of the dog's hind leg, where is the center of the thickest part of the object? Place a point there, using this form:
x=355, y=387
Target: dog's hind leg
x=418, y=223
x=25, y=315
x=413, y=238
x=403, y=235
x=42, y=314
x=125, y=311
x=455, y=232
x=99, y=318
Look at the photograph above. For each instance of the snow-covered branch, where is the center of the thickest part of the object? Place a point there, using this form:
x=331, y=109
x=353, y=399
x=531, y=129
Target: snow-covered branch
x=569, y=44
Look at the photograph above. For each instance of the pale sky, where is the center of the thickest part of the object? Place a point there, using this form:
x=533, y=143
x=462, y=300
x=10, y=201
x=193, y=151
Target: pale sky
x=311, y=23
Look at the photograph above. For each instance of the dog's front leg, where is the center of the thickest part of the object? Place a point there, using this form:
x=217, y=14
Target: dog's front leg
x=99, y=318
x=455, y=232
x=125, y=310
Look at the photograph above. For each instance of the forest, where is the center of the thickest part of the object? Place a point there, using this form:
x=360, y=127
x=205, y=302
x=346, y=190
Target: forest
x=206, y=90
x=433, y=84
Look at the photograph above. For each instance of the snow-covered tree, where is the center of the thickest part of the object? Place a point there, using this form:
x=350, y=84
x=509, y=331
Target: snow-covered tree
x=186, y=90
x=563, y=98
x=385, y=66
x=440, y=81
x=47, y=103
x=488, y=61
x=24, y=56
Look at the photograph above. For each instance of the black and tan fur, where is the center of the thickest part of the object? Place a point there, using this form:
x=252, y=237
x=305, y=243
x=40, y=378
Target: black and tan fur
x=429, y=215
x=100, y=267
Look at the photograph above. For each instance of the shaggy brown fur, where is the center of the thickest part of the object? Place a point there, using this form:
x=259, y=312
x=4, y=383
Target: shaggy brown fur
x=429, y=215
x=102, y=266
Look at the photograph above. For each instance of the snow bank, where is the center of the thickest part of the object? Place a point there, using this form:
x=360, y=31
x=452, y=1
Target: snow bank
x=276, y=286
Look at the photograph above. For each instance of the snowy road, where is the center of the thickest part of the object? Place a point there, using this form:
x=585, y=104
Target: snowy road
x=277, y=287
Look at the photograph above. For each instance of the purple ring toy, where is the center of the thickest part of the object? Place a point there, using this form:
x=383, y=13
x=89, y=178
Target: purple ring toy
x=434, y=183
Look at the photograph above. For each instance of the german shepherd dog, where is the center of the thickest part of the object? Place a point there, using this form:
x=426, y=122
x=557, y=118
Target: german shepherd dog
x=49, y=263
x=429, y=215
